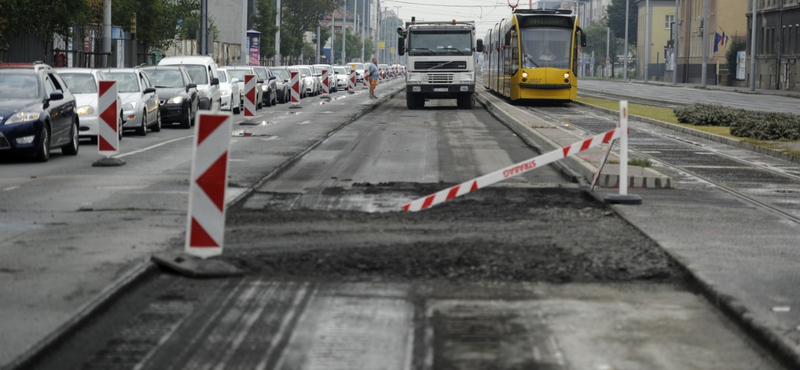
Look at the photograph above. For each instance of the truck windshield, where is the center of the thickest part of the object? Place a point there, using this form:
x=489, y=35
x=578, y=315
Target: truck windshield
x=546, y=47
x=439, y=43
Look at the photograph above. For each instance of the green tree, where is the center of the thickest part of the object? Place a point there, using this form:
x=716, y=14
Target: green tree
x=44, y=18
x=264, y=22
x=615, y=14
x=352, y=48
x=596, y=41
x=157, y=21
x=299, y=16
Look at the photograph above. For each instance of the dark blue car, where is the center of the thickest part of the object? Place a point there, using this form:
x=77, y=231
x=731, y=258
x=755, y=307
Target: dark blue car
x=37, y=112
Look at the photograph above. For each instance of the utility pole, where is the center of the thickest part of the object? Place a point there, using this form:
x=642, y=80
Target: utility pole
x=344, y=31
x=625, y=57
x=752, y=49
x=203, y=27
x=278, y=36
x=363, y=28
x=243, y=59
x=377, y=26
x=319, y=51
x=608, y=49
x=705, y=44
x=675, y=34
x=646, y=39
x=333, y=35
x=107, y=33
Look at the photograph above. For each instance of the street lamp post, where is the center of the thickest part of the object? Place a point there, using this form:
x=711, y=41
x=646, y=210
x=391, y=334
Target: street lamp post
x=752, y=49
x=625, y=65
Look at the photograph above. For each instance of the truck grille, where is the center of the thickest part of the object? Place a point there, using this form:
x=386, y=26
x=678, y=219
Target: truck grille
x=460, y=64
x=440, y=78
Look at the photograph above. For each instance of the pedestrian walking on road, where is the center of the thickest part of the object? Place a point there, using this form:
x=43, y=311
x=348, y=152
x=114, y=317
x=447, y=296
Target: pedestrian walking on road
x=373, y=78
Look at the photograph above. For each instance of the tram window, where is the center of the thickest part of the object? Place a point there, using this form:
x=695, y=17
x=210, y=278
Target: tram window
x=546, y=47
x=514, y=52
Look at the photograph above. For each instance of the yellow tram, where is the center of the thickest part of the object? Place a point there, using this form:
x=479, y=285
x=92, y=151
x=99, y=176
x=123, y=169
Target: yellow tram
x=533, y=55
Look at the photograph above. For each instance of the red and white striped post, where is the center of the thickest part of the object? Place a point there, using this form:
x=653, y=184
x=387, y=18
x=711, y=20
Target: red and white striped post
x=351, y=80
x=108, y=127
x=623, y=197
x=295, y=83
x=205, y=225
x=510, y=171
x=249, y=96
x=326, y=87
x=365, y=80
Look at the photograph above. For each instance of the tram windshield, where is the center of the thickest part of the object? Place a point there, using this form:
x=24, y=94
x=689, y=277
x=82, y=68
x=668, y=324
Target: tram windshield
x=546, y=47
x=440, y=43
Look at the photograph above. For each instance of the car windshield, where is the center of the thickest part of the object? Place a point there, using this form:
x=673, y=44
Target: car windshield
x=440, y=43
x=16, y=85
x=281, y=72
x=198, y=74
x=166, y=78
x=80, y=83
x=223, y=77
x=262, y=75
x=341, y=70
x=305, y=72
x=238, y=73
x=126, y=81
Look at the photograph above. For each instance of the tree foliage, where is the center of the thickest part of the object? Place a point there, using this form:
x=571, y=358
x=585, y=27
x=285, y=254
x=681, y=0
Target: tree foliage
x=596, y=42
x=297, y=17
x=264, y=22
x=45, y=18
x=615, y=14
x=352, y=47
x=157, y=21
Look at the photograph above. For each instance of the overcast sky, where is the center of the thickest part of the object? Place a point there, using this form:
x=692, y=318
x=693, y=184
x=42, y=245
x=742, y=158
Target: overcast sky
x=485, y=13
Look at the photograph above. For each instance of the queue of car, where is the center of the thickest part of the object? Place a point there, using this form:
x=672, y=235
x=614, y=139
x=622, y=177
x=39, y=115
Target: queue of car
x=43, y=108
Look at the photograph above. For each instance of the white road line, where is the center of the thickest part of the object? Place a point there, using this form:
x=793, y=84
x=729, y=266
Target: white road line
x=10, y=188
x=151, y=147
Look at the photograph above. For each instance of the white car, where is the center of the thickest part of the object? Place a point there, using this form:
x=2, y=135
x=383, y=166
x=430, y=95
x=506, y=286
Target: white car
x=360, y=70
x=342, y=77
x=313, y=85
x=302, y=81
x=231, y=98
x=204, y=73
x=140, y=104
x=239, y=73
x=84, y=83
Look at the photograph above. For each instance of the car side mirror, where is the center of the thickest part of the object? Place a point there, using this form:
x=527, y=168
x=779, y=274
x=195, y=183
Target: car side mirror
x=271, y=78
x=260, y=81
x=214, y=81
x=285, y=80
x=191, y=86
x=149, y=90
x=479, y=48
x=401, y=46
x=235, y=81
x=56, y=95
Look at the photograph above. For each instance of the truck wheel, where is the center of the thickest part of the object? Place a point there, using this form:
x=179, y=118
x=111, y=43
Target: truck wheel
x=415, y=101
x=466, y=101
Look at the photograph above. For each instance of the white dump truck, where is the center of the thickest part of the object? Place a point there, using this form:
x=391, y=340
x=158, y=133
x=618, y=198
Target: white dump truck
x=440, y=61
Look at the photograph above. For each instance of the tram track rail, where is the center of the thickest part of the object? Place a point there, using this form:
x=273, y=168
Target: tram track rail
x=699, y=160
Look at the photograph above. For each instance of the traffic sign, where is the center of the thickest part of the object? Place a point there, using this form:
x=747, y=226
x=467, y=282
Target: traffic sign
x=108, y=130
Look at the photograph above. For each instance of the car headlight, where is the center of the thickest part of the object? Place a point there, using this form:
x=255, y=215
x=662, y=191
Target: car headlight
x=22, y=117
x=175, y=100
x=224, y=92
x=566, y=75
x=84, y=110
x=264, y=87
x=415, y=77
x=129, y=106
x=467, y=77
x=524, y=74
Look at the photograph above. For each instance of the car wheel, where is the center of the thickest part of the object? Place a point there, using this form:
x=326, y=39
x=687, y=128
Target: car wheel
x=74, y=142
x=142, y=129
x=119, y=126
x=268, y=102
x=43, y=154
x=275, y=98
x=157, y=126
x=235, y=108
x=187, y=121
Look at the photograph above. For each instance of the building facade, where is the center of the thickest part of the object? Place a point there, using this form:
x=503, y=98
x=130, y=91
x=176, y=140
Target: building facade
x=659, y=17
x=777, y=44
x=726, y=17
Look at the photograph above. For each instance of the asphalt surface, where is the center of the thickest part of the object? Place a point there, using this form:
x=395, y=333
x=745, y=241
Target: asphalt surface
x=741, y=256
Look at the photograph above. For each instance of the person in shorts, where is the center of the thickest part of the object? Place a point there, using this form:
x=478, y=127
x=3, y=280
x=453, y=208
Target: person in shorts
x=373, y=78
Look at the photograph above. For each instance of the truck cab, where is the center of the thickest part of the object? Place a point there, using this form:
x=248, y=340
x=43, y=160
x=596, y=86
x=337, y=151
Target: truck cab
x=440, y=61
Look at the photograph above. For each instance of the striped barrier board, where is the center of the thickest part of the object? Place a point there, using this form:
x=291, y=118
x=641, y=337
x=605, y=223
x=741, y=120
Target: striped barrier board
x=108, y=130
x=249, y=96
x=205, y=221
x=510, y=171
x=295, y=82
x=326, y=84
x=351, y=81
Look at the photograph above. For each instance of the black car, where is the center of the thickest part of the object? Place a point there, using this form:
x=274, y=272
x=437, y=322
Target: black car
x=178, y=94
x=37, y=112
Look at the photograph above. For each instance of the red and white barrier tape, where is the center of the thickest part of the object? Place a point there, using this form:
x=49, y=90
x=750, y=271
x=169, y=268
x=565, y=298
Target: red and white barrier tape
x=510, y=171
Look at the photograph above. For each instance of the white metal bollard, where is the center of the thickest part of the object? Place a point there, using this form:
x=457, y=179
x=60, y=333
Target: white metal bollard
x=623, y=197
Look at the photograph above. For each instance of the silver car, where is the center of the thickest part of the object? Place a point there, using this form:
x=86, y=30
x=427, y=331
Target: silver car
x=140, y=105
x=84, y=83
x=282, y=78
x=239, y=73
x=302, y=81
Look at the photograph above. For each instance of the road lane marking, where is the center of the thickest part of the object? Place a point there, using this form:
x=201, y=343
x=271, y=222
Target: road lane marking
x=151, y=147
x=10, y=188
